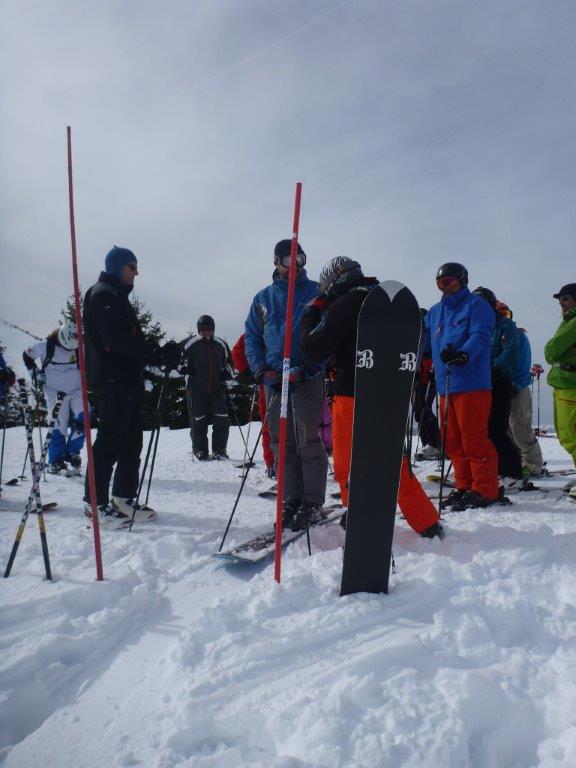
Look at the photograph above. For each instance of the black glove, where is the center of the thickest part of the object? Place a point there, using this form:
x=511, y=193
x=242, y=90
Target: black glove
x=452, y=356
x=245, y=377
x=7, y=376
x=171, y=355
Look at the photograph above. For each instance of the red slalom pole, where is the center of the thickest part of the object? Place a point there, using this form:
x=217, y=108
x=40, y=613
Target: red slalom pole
x=82, y=366
x=286, y=383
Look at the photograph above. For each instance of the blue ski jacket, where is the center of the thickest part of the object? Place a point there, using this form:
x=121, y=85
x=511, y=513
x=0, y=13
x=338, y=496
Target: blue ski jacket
x=504, y=348
x=466, y=321
x=265, y=325
x=522, y=376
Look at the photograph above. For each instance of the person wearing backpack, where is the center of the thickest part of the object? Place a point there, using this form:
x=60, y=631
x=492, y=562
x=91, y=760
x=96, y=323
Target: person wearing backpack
x=58, y=371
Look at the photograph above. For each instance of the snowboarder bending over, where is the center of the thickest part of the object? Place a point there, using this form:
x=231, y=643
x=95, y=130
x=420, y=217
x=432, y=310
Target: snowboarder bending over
x=116, y=352
x=306, y=461
x=560, y=352
x=208, y=363
x=58, y=372
x=329, y=330
x=460, y=328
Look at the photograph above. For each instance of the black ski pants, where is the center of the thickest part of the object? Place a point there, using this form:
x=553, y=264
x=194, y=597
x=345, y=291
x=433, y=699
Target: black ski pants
x=204, y=408
x=509, y=461
x=119, y=441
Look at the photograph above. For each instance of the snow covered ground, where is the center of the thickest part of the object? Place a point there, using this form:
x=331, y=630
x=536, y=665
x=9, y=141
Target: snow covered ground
x=178, y=660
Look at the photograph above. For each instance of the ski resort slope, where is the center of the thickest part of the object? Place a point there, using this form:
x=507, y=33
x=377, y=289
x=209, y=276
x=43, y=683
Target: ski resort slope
x=177, y=660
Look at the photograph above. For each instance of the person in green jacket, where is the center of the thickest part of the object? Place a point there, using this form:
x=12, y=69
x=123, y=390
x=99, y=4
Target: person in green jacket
x=560, y=352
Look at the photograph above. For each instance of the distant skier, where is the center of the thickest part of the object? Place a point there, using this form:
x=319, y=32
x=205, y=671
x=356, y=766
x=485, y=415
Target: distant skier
x=520, y=421
x=306, y=467
x=504, y=345
x=208, y=363
x=329, y=330
x=245, y=377
x=560, y=352
x=58, y=372
x=423, y=397
x=116, y=353
x=460, y=328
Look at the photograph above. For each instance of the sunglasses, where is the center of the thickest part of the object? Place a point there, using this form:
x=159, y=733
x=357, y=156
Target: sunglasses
x=446, y=282
x=566, y=297
x=285, y=260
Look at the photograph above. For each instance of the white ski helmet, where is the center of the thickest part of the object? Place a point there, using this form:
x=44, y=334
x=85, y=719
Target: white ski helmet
x=67, y=336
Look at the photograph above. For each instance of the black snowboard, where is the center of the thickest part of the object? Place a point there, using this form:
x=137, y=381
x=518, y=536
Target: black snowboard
x=387, y=349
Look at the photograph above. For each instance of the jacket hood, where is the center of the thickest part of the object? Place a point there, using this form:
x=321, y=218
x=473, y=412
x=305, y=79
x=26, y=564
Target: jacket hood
x=111, y=280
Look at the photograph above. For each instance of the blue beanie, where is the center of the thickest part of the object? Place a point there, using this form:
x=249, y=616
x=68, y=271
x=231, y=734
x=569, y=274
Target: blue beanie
x=118, y=258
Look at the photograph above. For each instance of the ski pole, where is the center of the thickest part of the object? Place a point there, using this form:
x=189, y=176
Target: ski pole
x=299, y=457
x=283, y=415
x=444, y=432
x=22, y=476
x=82, y=366
x=538, y=397
x=247, y=443
x=38, y=420
x=3, y=438
x=34, y=495
x=230, y=404
x=245, y=475
x=158, y=412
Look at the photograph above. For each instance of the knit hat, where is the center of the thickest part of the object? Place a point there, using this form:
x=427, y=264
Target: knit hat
x=116, y=259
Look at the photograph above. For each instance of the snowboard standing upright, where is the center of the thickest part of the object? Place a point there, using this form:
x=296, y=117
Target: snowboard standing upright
x=387, y=350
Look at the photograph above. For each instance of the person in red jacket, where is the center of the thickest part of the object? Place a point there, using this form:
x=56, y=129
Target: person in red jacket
x=329, y=330
x=245, y=376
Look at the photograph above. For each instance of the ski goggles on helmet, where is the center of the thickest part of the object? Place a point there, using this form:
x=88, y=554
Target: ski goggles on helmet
x=284, y=261
x=447, y=281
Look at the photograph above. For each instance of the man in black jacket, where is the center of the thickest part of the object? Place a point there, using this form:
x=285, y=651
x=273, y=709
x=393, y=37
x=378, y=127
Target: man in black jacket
x=209, y=365
x=116, y=352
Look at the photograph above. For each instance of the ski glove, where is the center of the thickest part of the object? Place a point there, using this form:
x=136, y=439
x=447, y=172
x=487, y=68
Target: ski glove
x=270, y=379
x=295, y=374
x=38, y=376
x=171, y=355
x=245, y=377
x=453, y=356
x=536, y=370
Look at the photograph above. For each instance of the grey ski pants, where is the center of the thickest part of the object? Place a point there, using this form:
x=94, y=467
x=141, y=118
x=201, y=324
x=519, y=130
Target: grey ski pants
x=206, y=408
x=307, y=467
x=521, y=430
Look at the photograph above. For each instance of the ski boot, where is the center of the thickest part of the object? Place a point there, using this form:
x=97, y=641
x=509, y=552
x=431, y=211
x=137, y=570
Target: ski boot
x=202, y=455
x=306, y=515
x=58, y=467
x=434, y=530
x=270, y=473
x=75, y=462
x=454, y=498
x=289, y=509
x=109, y=516
x=219, y=455
x=139, y=512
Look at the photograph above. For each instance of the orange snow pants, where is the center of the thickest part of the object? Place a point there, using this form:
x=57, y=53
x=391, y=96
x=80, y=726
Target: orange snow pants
x=467, y=443
x=418, y=510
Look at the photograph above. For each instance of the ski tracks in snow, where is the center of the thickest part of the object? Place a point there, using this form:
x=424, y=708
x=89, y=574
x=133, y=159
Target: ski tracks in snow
x=176, y=661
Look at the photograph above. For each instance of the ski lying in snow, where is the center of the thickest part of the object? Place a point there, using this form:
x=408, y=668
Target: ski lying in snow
x=548, y=473
x=268, y=494
x=262, y=546
x=448, y=483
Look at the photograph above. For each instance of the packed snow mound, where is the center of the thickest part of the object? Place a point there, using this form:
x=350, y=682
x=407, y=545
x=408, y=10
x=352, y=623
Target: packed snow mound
x=179, y=661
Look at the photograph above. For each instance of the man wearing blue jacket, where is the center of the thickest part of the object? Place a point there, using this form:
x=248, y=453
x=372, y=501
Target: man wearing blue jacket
x=460, y=328
x=520, y=421
x=504, y=359
x=306, y=461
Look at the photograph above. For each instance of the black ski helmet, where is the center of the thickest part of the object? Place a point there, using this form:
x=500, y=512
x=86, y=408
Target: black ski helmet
x=205, y=323
x=453, y=269
x=282, y=251
x=486, y=294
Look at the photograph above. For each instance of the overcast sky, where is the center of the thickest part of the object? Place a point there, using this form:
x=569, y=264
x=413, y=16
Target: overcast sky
x=423, y=131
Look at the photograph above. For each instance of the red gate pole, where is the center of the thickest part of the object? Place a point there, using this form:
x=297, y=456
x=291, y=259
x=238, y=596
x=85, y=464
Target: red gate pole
x=286, y=383
x=82, y=365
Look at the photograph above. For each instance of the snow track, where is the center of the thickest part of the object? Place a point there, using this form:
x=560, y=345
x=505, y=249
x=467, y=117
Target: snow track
x=177, y=661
